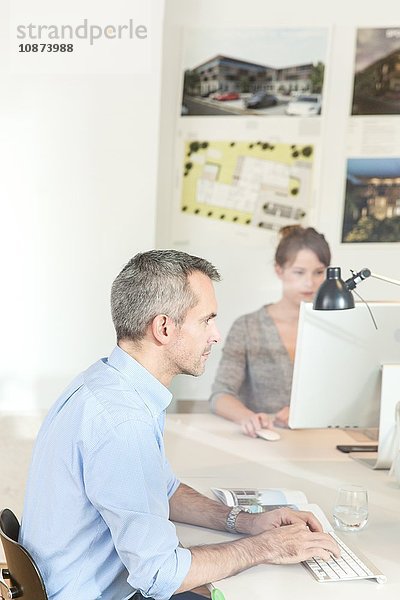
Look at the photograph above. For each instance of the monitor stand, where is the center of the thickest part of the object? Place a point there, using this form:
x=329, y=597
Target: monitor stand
x=387, y=422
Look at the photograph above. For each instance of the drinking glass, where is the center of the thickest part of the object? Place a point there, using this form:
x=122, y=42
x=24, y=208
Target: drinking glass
x=350, y=512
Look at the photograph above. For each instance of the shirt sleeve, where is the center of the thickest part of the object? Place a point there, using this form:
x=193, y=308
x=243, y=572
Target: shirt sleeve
x=232, y=367
x=127, y=482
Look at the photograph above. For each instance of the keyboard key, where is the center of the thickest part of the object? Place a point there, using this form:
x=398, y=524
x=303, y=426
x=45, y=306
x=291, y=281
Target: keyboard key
x=348, y=566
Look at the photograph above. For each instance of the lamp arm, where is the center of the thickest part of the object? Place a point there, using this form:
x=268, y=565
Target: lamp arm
x=394, y=281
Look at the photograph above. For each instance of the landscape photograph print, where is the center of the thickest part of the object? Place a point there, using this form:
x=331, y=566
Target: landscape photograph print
x=372, y=200
x=377, y=72
x=258, y=71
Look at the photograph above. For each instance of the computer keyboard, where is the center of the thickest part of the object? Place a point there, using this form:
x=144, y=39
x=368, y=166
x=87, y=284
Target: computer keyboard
x=348, y=566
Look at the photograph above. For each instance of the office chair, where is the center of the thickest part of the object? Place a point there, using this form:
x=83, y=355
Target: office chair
x=23, y=576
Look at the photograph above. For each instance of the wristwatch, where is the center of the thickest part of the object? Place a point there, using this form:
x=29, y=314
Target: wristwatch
x=230, y=523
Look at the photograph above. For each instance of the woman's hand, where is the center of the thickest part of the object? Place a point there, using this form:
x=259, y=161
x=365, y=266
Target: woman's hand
x=252, y=423
x=281, y=418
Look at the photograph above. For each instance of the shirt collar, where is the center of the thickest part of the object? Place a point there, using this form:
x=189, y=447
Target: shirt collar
x=153, y=392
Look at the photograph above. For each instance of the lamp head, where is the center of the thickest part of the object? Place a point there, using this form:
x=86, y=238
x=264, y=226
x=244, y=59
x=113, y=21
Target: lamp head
x=333, y=293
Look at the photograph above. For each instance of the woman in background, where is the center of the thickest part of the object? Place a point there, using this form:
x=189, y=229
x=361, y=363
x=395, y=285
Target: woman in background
x=253, y=382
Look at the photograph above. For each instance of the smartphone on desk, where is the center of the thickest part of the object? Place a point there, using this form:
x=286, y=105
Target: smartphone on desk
x=357, y=448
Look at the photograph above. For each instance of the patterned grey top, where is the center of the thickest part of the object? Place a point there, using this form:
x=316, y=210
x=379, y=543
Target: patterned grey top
x=255, y=366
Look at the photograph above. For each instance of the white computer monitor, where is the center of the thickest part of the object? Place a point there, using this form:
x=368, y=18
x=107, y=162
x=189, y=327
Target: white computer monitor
x=337, y=377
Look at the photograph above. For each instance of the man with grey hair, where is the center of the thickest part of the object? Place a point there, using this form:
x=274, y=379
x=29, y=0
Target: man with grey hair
x=101, y=497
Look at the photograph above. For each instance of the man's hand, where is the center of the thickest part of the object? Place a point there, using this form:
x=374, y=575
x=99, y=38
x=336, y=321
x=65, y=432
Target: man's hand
x=295, y=543
x=256, y=421
x=258, y=523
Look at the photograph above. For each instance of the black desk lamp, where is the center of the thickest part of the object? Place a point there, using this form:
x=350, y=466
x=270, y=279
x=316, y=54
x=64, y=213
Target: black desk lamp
x=335, y=294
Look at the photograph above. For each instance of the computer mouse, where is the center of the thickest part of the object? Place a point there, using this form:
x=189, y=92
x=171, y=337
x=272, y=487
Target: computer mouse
x=268, y=434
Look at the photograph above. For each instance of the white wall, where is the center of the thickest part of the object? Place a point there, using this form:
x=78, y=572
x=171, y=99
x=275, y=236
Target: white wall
x=245, y=257
x=78, y=159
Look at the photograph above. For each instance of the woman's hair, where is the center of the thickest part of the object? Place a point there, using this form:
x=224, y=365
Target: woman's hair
x=153, y=283
x=295, y=238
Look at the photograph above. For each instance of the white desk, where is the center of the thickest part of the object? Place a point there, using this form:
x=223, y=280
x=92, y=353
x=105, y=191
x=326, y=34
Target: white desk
x=206, y=451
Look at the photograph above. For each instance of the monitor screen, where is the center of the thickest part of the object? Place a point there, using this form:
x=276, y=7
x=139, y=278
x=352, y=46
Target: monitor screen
x=337, y=369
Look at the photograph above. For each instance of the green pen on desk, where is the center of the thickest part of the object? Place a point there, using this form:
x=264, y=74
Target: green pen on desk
x=216, y=594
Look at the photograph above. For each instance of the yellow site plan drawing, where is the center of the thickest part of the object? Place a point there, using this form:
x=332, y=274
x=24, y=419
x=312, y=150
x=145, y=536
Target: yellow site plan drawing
x=258, y=183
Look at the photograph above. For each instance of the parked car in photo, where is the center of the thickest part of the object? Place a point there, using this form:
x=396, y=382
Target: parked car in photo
x=261, y=100
x=227, y=96
x=305, y=105
x=206, y=94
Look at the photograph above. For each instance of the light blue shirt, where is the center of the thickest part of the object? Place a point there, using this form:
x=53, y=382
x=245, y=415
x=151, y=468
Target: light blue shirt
x=96, y=509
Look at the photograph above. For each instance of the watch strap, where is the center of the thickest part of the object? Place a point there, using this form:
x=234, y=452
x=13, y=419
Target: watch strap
x=230, y=523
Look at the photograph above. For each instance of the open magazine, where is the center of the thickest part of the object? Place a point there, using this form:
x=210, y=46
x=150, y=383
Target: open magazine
x=262, y=500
